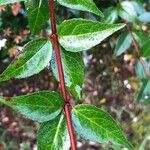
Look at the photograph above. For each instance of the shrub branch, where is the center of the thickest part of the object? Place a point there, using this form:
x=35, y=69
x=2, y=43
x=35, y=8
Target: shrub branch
x=67, y=106
x=137, y=49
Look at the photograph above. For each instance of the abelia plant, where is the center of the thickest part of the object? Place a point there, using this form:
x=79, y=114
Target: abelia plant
x=135, y=39
x=58, y=118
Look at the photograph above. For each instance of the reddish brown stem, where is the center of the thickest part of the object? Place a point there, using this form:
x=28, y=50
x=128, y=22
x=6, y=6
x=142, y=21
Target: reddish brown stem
x=137, y=48
x=67, y=106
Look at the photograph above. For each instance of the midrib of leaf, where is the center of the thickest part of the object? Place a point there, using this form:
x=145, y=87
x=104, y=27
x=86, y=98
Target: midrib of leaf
x=86, y=34
x=57, y=130
x=37, y=106
x=85, y=23
x=22, y=66
x=40, y=3
x=80, y=114
x=52, y=105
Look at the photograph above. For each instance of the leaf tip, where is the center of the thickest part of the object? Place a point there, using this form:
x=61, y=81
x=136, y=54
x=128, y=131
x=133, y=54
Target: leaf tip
x=100, y=14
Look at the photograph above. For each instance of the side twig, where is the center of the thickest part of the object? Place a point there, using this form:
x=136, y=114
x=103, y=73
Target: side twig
x=136, y=46
x=67, y=106
x=137, y=49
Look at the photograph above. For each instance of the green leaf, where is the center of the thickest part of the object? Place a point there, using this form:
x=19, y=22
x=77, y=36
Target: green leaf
x=140, y=70
x=110, y=15
x=144, y=93
x=80, y=34
x=141, y=37
x=38, y=14
x=35, y=57
x=145, y=50
x=73, y=71
x=5, y=2
x=138, y=6
x=123, y=43
x=3, y=101
x=97, y=125
x=40, y=106
x=145, y=17
x=127, y=11
x=53, y=135
x=85, y=5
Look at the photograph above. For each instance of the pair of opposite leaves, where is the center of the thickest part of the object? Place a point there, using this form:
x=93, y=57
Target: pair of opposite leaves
x=85, y=34
x=46, y=107
x=74, y=35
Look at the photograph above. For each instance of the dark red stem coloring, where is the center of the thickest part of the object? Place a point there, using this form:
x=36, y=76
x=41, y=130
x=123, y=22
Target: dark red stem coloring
x=67, y=106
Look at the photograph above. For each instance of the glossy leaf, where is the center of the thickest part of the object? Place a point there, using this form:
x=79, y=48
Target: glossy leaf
x=35, y=57
x=40, y=106
x=80, y=34
x=38, y=14
x=97, y=125
x=123, y=43
x=145, y=50
x=73, y=71
x=85, y=5
x=5, y=2
x=53, y=135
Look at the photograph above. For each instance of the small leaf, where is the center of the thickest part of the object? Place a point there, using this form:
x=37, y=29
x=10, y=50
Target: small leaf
x=85, y=5
x=40, y=106
x=140, y=70
x=145, y=50
x=5, y=2
x=110, y=15
x=144, y=93
x=80, y=34
x=53, y=135
x=38, y=14
x=141, y=37
x=97, y=125
x=127, y=11
x=73, y=71
x=123, y=43
x=35, y=57
x=138, y=7
x=145, y=17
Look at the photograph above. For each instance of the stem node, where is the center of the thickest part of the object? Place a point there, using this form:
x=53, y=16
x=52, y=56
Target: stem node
x=67, y=107
x=53, y=37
